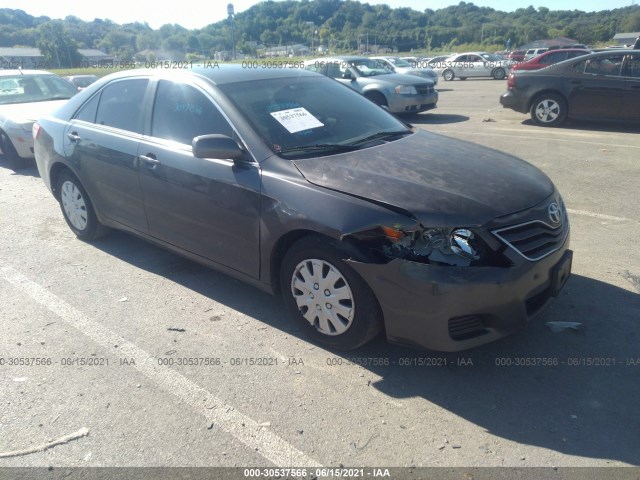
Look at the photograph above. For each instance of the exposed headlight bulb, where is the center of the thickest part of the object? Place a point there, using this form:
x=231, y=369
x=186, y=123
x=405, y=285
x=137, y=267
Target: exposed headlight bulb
x=461, y=243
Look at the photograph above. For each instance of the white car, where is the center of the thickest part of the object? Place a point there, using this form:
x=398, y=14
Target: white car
x=25, y=96
x=398, y=65
x=473, y=64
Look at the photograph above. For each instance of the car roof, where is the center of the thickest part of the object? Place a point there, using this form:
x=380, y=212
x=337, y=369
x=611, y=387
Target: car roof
x=341, y=58
x=582, y=58
x=81, y=76
x=11, y=73
x=220, y=74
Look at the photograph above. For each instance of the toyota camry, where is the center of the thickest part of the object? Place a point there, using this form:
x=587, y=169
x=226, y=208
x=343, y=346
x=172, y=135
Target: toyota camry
x=300, y=186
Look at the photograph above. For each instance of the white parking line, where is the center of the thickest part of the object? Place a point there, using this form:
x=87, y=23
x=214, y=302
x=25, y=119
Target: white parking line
x=600, y=215
x=248, y=431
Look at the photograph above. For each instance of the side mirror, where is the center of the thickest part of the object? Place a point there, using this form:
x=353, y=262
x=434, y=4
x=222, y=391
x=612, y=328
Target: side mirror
x=351, y=73
x=216, y=146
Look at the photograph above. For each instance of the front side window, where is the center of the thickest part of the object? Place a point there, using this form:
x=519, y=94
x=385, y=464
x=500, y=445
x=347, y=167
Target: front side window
x=609, y=65
x=182, y=112
x=121, y=104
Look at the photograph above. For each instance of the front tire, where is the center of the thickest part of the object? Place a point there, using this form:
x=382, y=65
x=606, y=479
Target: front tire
x=331, y=302
x=548, y=110
x=77, y=209
x=377, y=98
x=448, y=75
x=9, y=154
x=499, y=74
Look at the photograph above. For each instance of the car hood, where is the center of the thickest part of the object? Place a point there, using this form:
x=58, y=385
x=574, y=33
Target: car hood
x=28, y=112
x=439, y=180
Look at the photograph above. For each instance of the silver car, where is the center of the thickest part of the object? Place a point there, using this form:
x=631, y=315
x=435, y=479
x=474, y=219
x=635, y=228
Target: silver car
x=399, y=65
x=473, y=64
x=25, y=96
x=396, y=92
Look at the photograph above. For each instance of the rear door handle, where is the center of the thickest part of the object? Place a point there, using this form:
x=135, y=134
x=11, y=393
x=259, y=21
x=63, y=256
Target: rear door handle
x=74, y=137
x=150, y=159
x=576, y=82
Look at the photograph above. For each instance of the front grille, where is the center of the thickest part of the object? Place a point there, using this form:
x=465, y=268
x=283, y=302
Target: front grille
x=534, y=240
x=463, y=328
x=424, y=89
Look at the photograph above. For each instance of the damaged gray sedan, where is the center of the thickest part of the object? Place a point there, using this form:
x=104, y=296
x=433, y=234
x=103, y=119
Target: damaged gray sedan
x=298, y=185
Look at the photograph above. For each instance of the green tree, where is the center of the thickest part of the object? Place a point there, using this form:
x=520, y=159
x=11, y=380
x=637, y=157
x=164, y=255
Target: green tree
x=58, y=49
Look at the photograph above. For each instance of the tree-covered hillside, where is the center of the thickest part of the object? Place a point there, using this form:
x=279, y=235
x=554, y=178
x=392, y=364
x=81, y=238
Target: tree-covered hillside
x=341, y=25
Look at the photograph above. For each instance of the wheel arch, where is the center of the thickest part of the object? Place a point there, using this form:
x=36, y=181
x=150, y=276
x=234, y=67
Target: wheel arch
x=546, y=91
x=54, y=173
x=286, y=241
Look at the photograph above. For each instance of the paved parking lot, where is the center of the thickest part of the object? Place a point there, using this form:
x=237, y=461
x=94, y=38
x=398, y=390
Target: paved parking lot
x=167, y=363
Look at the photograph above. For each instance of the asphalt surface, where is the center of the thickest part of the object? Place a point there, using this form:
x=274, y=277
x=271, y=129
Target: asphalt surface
x=260, y=394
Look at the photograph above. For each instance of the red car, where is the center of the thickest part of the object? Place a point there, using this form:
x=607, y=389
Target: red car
x=549, y=58
x=516, y=55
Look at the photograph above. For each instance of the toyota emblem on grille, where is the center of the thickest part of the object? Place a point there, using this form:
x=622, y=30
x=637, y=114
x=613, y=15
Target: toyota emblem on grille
x=554, y=213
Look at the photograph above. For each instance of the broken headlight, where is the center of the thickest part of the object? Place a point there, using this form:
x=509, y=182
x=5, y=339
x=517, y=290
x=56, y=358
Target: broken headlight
x=438, y=246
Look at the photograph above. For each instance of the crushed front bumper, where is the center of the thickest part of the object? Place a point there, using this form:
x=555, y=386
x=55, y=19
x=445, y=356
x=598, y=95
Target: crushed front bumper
x=456, y=308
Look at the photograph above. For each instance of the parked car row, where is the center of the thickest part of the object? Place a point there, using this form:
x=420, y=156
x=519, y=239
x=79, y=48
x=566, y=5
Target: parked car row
x=399, y=93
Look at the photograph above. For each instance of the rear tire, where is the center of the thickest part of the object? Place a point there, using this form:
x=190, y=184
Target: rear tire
x=327, y=298
x=548, y=110
x=9, y=154
x=77, y=208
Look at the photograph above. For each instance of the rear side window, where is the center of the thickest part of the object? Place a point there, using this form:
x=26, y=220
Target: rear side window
x=631, y=66
x=182, y=112
x=88, y=111
x=553, y=58
x=609, y=65
x=120, y=104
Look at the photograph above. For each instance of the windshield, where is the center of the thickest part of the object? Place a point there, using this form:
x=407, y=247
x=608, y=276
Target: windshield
x=34, y=88
x=310, y=116
x=368, y=67
x=491, y=57
x=399, y=62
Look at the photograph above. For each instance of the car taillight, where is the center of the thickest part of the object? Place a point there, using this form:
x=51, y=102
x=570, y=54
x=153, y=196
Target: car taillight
x=35, y=130
x=511, y=81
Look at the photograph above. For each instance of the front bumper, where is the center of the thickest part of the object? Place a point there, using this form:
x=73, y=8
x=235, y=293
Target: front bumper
x=412, y=103
x=456, y=308
x=22, y=141
x=514, y=102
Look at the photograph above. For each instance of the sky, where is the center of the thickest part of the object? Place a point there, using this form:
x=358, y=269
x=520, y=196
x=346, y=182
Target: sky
x=194, y=14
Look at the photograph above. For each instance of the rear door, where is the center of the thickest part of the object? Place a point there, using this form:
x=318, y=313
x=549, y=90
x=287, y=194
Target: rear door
x=598, y=91
x=631, y=76
x=205, y=206
x=102, y=144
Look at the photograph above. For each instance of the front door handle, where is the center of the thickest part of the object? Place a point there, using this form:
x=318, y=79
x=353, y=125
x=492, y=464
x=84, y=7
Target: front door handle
x=74, y=137
x=150, y=159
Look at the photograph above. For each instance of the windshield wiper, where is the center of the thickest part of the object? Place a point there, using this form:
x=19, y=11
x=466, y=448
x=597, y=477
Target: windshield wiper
x=323, y=147
x=381, y=136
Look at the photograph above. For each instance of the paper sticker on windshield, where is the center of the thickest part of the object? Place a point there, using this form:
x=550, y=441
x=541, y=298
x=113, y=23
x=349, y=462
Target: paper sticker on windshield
x=297, y=119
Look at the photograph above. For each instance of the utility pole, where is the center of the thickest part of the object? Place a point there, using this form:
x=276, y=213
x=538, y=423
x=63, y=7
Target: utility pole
x=230, y=12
